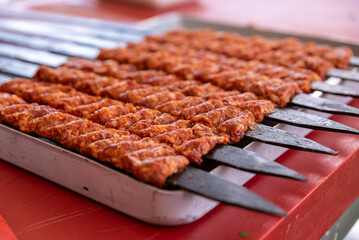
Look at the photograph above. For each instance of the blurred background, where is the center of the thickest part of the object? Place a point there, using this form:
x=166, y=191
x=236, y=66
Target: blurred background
x=307, y=17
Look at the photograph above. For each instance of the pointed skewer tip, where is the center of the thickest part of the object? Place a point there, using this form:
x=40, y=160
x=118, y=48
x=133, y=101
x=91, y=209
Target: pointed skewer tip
x=277, y=211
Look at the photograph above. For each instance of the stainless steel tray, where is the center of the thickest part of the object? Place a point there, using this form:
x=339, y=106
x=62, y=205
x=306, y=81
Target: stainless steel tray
x=120, y=191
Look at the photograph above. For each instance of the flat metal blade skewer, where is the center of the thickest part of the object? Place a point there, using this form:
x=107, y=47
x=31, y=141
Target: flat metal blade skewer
x=250, y=161
x=18, y=68
x=32, y=55
x=26, y=27
x=4, y=78
x=302, y=119
x=354, y=61
x=323, y=105
x=60, y=47
x=210, y=186
x=343, y=74
x=334, y=89
x=266, y=134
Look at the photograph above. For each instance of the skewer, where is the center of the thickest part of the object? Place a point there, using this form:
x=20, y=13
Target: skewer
x=31, y=55
x=4, y=78
x=47, y=31
x=343, y=74
x=336, y=90
x=216, y=188
x=17, y=68
x=250, y=161
x=73, y=20
x=303, y=119
x=323, y=105
x=283, y=138
x=64, y=48
x=354, y=61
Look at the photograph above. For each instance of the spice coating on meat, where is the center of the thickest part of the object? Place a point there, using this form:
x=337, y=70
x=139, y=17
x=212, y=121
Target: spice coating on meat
x=287, y=52
x=22, y=120
x=141, y=157
x=150, y=123
x=125, y=121
x=87, y=110
x=152, y=97
x=106, y=68
x=143, y=122
x=277, y=90
x=105, y=114
x=9, y=99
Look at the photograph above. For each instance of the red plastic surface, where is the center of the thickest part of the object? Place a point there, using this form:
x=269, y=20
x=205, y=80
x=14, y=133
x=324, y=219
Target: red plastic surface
x=38, y=209
x=5, y=231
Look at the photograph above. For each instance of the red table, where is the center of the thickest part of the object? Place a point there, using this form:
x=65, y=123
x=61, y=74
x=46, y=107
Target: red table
x=37, y=209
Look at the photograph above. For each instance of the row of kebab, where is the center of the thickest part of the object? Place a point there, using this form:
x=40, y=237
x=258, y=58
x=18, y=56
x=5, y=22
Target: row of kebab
x=154, y=107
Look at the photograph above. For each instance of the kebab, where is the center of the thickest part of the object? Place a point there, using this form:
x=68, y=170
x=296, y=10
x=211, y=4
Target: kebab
x=145, y=158
x=286, y=52
x=225, y=63
x=185, y=136
x=154, y=78
x=276, y=90
x=190, y=63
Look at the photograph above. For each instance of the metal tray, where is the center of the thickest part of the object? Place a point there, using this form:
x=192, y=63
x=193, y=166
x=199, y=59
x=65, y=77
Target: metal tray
x=120, y=191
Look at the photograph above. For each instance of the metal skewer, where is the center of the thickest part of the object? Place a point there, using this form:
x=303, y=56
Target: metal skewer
x=324, y=105
x=302, y=119
x=283, y=138
x=216, y=188
x=73, y=20
x=343, y=74
x=336, y=90
x=250, y=161
x=354, y=61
